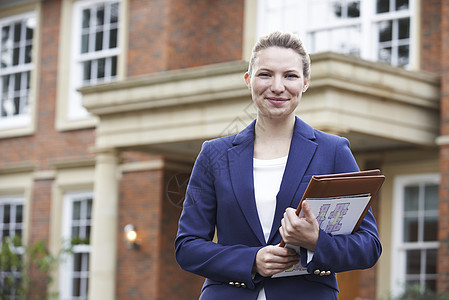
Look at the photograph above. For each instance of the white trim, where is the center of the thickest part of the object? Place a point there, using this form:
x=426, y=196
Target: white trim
x=75, y=110
x=367, y=22
x=398, y=263
x=66, y=267
x=23, y=120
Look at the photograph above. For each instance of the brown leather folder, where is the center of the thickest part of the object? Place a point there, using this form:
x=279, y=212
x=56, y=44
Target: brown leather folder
x=344, y=184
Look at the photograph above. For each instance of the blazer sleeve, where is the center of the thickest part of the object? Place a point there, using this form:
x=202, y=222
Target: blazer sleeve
x=195, y=250
x=359, y=250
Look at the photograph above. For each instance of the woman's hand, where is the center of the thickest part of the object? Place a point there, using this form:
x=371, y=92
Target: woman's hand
x=298, y=231
x=271, y=260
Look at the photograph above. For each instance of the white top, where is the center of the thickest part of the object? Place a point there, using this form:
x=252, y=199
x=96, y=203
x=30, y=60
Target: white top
x=267, y=181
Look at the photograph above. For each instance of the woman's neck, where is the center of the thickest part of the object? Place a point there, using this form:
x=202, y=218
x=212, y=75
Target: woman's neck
x=273, y=137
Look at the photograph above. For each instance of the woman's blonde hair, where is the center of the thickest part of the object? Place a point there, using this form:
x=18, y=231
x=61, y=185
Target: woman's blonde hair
x=283, y=40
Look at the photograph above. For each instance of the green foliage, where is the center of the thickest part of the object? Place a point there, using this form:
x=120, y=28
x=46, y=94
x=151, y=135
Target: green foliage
x=16, y=260
x=413, y=292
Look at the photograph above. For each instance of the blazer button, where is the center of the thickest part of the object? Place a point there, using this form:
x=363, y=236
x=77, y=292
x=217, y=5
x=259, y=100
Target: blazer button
x=322, y=273
x=237, y=284
x=316, y=272
x=328, y=273
x=243, y=285
x=231, y=283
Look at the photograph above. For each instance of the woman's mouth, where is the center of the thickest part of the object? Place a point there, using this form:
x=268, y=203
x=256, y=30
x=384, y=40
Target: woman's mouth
x=276, y=101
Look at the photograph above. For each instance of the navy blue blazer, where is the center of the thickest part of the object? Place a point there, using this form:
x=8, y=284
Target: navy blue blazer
x=220, y=196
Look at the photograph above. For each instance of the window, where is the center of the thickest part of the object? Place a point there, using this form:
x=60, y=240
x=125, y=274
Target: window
x=11, y=225
x=415, y=240
x=76, y=229
x=16, y=45
x=95, y=49
x=375, y=30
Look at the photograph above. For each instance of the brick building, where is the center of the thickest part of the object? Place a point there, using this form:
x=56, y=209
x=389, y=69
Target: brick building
x=105, y=103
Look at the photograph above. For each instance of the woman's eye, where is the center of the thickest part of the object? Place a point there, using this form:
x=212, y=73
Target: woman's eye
x=264, y=75
x=292, y=76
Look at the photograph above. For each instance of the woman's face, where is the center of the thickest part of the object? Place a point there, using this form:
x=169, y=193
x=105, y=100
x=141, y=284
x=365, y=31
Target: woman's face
x=277, y=82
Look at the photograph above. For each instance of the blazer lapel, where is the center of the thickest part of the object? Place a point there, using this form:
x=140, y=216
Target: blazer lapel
x=302, y=150
x=241, y=171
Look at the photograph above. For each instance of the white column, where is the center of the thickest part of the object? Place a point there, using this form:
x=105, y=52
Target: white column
x=102, y=268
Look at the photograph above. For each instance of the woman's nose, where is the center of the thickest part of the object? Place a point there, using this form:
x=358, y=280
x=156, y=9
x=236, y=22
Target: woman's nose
x=277, y=85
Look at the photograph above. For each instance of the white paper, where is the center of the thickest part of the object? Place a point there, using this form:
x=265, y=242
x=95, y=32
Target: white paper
x=335, y=215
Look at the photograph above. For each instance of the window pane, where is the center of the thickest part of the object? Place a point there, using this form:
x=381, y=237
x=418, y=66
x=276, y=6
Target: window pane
x=431, y=197
x=19, y=214
x=6, y=214
x=383, y=6
x=30, y=24
x=385, y=31
x=89, y=209
x=413, y=262
x=403, y=55
x=101, y=68
x=87, y=240
x=27, y=79
x=77, y=262
x=76, y=287
x=114, y=13
x=354, y=9
x=28, y=54
x=411, y=198
x=404, y=28
x=86, y=262
x=431, y=261
x=338, y=9
x=87, y=68
x=113, y=38
x=5, y=35
x=85, y=43
x=15, y=56
x=431, y=229
x=99, y=41
x=16, y=105
x=76, y=210
x=431, y=285
x=17, y=31
x=86, y=18
x=410, y=229
x=75, y=233
x=17, y=78
x=402, y=4
x=114, y=66
x=100, y=16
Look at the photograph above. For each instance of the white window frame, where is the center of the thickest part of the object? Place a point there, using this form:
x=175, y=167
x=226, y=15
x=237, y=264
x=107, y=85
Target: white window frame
x=67, y=265
x=12, y=200
x=368, y=22
x=24, y=119
x=398, y=247
x=75, y=110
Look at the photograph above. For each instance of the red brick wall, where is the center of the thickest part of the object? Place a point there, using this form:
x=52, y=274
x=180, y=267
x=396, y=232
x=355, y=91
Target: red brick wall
x=174, y=34
x=443, y=234
x=430, y=36
x=147, y=36
x=151, y=272
x=47, y=145
x=205, y=32
x=140, y=205
x=174, y=282
x=39, y=232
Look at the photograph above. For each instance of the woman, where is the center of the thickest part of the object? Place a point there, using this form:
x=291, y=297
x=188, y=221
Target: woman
x=245, y=187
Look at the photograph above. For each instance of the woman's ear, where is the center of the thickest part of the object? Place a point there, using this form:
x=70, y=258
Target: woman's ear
x=247, y=80
x=306, y=84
